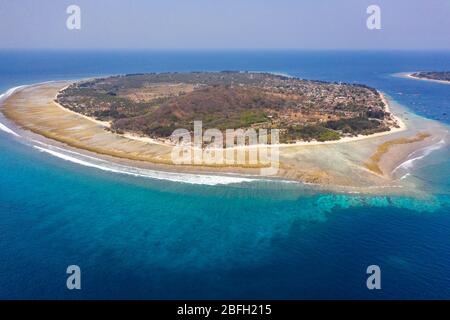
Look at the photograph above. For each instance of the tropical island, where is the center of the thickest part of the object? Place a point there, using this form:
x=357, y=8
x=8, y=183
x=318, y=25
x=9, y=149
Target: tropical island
x=438, y=76
x=154, y=105
x=334, y=134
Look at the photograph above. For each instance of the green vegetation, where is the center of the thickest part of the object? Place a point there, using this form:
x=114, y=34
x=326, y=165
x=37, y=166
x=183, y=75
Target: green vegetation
x=354, y=126
x=433, y=75
x=157, y=104
x=249, y=117
x=311, y=132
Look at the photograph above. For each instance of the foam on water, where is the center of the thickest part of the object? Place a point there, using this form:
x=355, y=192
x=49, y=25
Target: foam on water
x=9, y=92
x=417, y=155
x=8, y=130
x=3, y=97
x=104, y=165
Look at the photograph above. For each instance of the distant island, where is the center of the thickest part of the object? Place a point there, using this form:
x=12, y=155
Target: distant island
x=439, y=76
x=154, y=105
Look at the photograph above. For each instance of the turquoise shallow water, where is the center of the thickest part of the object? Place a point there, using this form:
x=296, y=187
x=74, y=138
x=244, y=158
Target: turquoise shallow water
x=145, y=238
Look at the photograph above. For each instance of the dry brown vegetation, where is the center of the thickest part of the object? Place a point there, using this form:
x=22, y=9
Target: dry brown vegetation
x=155, y=105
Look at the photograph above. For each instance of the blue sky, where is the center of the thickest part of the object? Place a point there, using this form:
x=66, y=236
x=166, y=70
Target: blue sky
x=225, y=24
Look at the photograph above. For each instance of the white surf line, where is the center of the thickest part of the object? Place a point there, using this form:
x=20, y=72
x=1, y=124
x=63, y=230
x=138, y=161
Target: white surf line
x=70, y=151
x=423, y=152
x=8, y=130
x=160, y=175
x=189, y=178
x=10, y=92
x=3, y=97
x=249, y=177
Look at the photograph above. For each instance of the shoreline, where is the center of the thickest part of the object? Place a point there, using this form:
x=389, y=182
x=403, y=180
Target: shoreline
x=27, y=109
x=409, y=75
x=102, y=123
x=164, y=142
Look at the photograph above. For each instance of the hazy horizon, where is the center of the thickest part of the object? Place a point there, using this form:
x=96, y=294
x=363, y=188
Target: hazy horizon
x=228, y=25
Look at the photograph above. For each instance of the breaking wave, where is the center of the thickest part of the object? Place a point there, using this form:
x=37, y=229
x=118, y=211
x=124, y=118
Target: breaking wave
x=407, y=165
x=3, y=96
x=10, y=92
x=8, y=130
x=105, y=165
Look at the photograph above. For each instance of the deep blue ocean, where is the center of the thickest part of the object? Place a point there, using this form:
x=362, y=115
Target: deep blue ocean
x=155, y=239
